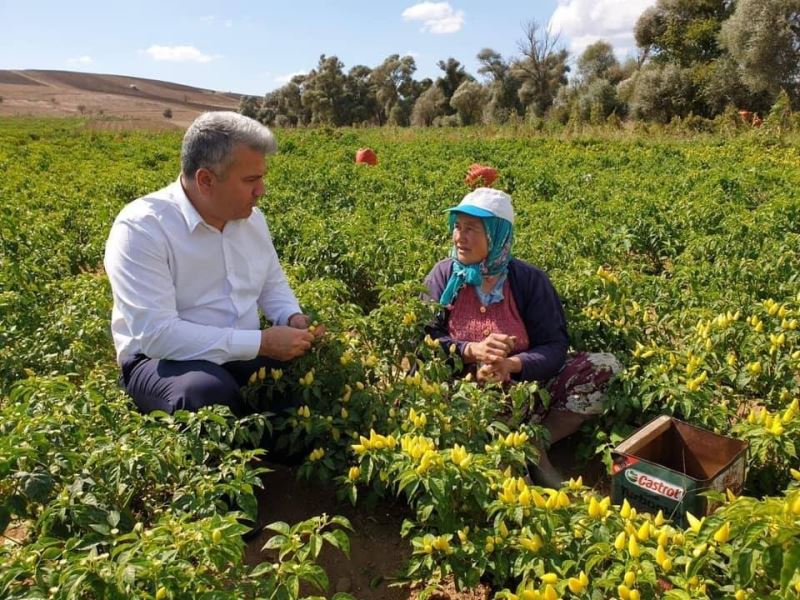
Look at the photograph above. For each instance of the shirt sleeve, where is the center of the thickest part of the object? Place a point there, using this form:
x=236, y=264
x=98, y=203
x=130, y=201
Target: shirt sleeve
x=137, y=264
x=436, y=281
x=547, y=327
x=277, y=300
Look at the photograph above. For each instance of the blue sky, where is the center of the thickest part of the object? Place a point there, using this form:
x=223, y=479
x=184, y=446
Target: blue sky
x=252, y=48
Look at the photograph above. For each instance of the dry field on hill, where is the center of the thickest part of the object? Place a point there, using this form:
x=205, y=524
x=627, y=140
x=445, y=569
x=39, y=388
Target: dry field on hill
x=111, y=101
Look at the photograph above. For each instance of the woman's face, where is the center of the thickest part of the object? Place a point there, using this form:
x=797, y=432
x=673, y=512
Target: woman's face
x=469, y=238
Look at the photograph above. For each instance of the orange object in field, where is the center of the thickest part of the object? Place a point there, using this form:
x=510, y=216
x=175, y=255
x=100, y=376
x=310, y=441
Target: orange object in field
x=366, y=156
x=480, y=175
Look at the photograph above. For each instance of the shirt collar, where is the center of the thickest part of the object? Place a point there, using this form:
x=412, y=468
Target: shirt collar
x=189, y=212
x=494, y=295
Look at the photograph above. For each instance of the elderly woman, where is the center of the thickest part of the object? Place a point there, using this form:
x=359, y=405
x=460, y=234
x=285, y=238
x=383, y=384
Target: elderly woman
x=507, y=322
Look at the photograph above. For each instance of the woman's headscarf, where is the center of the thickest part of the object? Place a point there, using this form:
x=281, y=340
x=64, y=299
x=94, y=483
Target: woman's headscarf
x=494, y=209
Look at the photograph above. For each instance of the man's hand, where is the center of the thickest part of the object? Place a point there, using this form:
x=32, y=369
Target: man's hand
x=300, y=321
x=284, y=343
x=494, y=347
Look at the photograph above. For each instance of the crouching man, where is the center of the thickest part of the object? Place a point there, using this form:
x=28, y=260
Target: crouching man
x=190, y=265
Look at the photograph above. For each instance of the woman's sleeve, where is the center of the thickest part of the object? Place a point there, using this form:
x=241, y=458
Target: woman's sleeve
x=547, y=327
x=436, y=281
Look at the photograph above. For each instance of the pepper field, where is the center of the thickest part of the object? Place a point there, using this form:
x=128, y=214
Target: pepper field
x=679, y=253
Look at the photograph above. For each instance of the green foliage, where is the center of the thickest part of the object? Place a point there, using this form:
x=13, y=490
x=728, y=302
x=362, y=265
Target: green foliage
x=679, y=256
x=662, y=93
x=469, y=100
x=695, y=57
x=682, y=32
x=764, y=38
x=779, y=119
x=597, y=62
x=725, y=52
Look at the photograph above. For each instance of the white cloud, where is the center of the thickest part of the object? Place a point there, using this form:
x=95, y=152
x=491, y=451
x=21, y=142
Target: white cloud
x=284, y=79
x=436, y=17
x=178, y=54
x=412, y=54
x=584, y=22
x=82, y=60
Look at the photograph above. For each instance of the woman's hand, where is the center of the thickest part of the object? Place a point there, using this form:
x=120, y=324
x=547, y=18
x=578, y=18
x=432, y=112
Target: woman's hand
x=499, y=371
x=494, y=347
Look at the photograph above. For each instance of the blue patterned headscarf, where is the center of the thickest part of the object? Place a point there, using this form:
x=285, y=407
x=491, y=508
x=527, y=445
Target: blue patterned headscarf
x=499, y=237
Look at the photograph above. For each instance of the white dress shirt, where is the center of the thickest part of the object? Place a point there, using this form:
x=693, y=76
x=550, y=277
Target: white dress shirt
x=184, y=290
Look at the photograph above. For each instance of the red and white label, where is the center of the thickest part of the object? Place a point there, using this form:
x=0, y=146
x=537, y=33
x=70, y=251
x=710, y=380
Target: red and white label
x=622, y=463
x=654, y=485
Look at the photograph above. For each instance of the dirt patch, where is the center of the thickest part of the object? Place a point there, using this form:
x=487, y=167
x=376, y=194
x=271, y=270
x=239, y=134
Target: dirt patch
x=17, y=531
x=594, y=473
x=447, y=591
x=377, y=552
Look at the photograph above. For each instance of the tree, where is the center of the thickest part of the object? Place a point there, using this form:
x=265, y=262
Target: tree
x=249, y=106
x=454, y=76
x=723, y=87
x=469, y=100
x=417, y=89
x=428, y=106
x=324, y=90
x=503, y=87
x=598, y=100
x=661, y=93
x=682, y=31
x=593, y=96
x=542, y=69
x=763, y=37
x=598, y=62
x=685, y=35
x=285, y=106
x=359, y=96
x=392, y=82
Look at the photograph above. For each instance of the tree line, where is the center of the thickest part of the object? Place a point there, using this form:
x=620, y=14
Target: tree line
x=695, y=57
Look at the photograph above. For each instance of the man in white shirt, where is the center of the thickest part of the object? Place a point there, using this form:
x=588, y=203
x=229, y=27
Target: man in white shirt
x=190, y=265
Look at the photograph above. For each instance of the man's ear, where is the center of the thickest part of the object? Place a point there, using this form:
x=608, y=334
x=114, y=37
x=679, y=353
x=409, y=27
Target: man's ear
x=204, y=179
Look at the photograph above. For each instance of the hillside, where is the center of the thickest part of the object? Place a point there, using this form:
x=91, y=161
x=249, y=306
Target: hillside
x=111, y=100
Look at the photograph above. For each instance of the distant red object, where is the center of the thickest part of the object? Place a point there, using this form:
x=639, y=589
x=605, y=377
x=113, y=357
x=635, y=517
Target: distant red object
x=750, y=118
x=480, y=175
x=366, y=156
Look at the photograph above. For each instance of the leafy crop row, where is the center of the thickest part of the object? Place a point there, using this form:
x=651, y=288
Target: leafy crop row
x=680, y=256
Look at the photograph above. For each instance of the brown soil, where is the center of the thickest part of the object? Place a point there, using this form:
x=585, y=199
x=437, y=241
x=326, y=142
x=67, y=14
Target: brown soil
x=447, y=591
x=17, y=531
x=377, y=552
x=594, y=474
x=113, y=100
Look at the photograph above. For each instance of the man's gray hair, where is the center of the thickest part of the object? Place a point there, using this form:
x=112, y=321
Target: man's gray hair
x=211, y=138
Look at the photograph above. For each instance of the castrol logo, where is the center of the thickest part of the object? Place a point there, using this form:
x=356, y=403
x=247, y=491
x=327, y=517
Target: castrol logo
x=654, y=485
